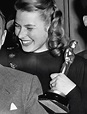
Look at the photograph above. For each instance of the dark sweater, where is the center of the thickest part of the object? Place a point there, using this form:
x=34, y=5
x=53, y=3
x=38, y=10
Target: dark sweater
x=43, y=64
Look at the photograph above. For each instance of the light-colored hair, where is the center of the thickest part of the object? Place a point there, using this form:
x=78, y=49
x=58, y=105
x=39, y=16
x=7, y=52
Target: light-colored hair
x=3, y=20
x=51, y=14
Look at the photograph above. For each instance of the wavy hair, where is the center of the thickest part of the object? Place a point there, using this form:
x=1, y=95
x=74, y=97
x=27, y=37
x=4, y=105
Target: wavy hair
x=3, y=19
x=51, y=14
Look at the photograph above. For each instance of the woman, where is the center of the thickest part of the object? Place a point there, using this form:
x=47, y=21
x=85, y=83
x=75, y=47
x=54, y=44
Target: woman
x=38, y=26
x=38, y=29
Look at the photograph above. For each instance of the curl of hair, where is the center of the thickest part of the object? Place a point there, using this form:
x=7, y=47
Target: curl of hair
x=50, y=12
x=56, y=33
x=3, y=19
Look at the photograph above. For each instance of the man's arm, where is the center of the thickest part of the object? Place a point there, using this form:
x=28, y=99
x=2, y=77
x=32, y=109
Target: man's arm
x=32, y=105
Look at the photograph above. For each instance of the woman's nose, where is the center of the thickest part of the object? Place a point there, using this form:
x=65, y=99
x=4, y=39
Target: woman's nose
x=22, y=33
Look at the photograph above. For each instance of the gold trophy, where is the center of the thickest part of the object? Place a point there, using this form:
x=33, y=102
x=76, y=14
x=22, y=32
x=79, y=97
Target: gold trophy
x=51, y=101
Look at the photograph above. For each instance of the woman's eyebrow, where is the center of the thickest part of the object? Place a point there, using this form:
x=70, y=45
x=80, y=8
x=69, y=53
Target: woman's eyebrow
x=29, y=25
x=26, y=25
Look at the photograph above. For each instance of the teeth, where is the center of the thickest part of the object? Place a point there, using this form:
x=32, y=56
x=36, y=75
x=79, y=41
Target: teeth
x=25, y=42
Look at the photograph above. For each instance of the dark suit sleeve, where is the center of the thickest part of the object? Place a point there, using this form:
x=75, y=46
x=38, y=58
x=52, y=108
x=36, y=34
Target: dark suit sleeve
x=84, y=88
x=75, y=101
x=78, y=96
x=32, y=105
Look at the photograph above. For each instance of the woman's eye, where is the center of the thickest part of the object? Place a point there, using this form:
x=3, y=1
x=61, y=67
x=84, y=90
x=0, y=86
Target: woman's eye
x=29, y=28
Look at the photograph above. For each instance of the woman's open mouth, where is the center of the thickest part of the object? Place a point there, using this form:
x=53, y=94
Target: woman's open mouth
x=26, y=42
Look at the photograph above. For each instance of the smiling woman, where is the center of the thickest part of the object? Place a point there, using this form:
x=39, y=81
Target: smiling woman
x=31, y=31
x=39, y=28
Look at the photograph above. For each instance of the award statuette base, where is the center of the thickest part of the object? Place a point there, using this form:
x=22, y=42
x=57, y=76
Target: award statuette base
x=54, y=103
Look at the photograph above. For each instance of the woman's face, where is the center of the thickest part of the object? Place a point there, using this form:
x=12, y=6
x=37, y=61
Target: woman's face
x=31, y=31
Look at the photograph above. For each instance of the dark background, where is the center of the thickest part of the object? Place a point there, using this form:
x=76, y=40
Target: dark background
x=7, y=7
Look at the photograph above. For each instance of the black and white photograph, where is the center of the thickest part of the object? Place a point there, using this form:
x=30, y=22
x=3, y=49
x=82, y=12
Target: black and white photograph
x=43, y=57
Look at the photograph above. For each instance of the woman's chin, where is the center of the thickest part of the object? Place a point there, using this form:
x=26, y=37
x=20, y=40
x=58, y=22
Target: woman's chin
x=26, y=49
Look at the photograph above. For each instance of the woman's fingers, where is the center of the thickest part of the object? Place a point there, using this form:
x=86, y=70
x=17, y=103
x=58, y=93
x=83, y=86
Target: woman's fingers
x=53, y=75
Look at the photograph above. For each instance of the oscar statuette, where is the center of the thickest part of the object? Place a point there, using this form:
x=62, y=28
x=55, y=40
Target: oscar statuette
x=52, y=101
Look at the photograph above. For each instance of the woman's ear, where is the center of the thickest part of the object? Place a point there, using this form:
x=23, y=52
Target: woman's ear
x=3, y=37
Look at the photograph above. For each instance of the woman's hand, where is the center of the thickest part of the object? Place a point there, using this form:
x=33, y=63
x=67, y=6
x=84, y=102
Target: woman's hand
x=61, y=84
